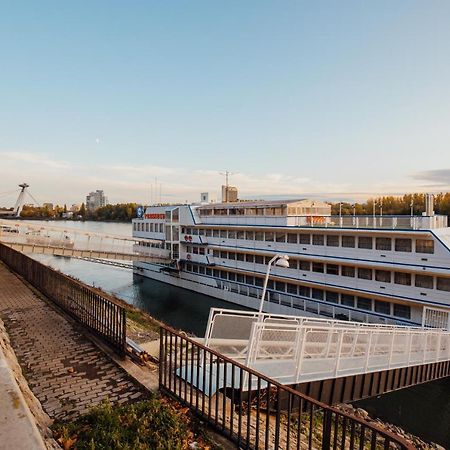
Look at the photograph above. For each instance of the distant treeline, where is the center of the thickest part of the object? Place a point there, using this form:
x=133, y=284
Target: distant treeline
x=396, y=205
x=122, y=212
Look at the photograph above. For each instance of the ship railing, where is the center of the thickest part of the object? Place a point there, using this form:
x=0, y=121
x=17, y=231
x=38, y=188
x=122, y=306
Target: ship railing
x=367, y=222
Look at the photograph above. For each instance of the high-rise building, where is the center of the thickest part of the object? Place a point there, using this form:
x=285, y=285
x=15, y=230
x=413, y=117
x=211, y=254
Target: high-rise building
x=95, y=200
x=229, y=194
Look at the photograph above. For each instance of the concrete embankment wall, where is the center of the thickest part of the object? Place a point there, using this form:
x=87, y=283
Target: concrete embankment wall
x=23, y=423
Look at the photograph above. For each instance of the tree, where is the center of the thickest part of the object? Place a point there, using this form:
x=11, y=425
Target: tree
x=82, y=211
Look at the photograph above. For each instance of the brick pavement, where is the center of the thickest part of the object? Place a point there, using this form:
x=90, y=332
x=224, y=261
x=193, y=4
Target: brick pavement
x=64, y=369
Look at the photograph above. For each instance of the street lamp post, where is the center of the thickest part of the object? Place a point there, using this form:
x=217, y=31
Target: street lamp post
x=279, y=260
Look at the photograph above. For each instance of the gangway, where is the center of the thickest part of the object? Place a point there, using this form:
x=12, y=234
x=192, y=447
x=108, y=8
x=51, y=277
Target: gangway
x=296, y=350
x=71, y=242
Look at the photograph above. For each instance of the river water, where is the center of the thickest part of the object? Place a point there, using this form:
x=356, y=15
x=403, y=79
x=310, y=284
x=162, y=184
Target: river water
x=423, y=410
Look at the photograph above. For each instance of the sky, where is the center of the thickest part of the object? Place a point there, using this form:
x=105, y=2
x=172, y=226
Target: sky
x=334, y=100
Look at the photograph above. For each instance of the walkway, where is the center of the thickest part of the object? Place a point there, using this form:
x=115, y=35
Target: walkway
x=65, y=370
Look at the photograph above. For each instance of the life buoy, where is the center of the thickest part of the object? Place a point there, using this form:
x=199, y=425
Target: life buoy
x=188, y=257
x=186, y=238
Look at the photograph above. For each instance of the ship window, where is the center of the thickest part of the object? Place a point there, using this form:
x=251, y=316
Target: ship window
x=304, y=238
x=443, y=284
x=365, y=274
x=424, y=246
x=304, y=291
x=201, y=232
x=216, y=233
x=317, y=267
x=364, y=303
x=382, y=307
x=231, y=234
x=231, y=276
x=231, y=255
x=249, y=279
x=223, y=274
x=195, y=268
x=188, y=230
x=249, y=258
x=232, y=211
x=347, y=271
x=259, y=211
x=318, y=239
x=280, y=286
x=292, y=288
x=240, y=235
x=216, y=253
x=348, y=300
x=259, y=259
x=216, y=273
x=382, y=243
x=403, y=311
x=208, y=233
x=208, y=271
x=332, y=269
x=250, y=211
x=250, y=235
x=317, y=294
x=259, y=236
x=134, y=226
x=280, y=237
x=383, y=275
x=223, y=234
x=348, y=241
x=403, y=245
x=240, y=256
x=147, y=227
x=365, y=242
x=305, y=265
x=332, y=241
x=240, y=278
x=195, y=232
x=189, y=267
x=293, y=263
x=268, y=236
x=332, y=297
x=259, y=281
x=292, y=238
x=201, y=270
x=161, y=228
x=424, y=281
x=402, y=278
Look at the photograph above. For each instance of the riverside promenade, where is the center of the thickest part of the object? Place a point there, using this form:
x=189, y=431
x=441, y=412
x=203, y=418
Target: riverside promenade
x=65, y=371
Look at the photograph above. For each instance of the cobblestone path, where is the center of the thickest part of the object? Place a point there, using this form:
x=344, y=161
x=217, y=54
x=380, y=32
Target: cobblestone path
x=64, y=369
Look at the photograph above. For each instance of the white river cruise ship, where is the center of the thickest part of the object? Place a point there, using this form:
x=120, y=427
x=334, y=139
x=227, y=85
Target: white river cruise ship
x=379, y=269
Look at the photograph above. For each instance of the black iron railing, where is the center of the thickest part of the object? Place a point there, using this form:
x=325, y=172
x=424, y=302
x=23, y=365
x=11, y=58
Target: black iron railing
x=99, y=314
x=254, y=411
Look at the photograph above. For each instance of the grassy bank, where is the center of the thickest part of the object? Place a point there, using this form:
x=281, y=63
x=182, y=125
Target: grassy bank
x=156, y=424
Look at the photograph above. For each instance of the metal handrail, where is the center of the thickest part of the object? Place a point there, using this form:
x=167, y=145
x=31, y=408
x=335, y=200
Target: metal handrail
x=182, y=355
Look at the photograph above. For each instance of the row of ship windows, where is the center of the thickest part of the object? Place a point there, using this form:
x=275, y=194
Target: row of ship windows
x=262, y=211
x=363, y=242
x=149, y=227
x=363, y=303
x=384, y=276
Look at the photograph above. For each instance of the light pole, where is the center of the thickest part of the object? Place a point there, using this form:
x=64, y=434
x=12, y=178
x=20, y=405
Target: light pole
x=279, y=260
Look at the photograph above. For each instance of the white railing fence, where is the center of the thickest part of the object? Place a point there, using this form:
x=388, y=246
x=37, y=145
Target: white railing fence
x=301, y=349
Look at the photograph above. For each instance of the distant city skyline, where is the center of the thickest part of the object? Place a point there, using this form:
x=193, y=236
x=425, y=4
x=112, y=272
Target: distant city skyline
x=337, y=101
